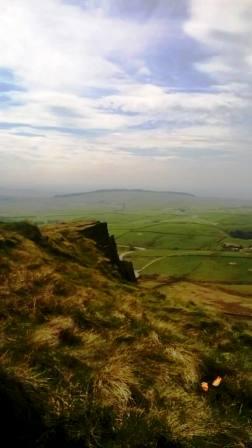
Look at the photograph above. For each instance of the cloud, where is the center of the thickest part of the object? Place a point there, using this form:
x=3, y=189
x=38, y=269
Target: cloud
x=91, y=88
x=60, y=46
x=225, y=28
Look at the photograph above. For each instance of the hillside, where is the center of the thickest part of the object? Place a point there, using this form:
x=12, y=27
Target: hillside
x=129, y=192
x=99, y=200
x=91, y=359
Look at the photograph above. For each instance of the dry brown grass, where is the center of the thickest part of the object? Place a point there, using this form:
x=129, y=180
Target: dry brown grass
x=49, y=333
x=112, y=383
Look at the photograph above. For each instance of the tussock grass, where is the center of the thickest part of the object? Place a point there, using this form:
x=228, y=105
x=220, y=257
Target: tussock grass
x=53, y=331
x=112, y=384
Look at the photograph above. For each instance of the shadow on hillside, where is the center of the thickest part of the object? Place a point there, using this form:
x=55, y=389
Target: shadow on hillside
x=22, y=418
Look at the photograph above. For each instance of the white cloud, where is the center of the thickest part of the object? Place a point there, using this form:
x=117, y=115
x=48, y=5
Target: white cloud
x=59, y=53
x=59, y=46
x=209, y=16
x=149, y=98
x=224, y=26
x=90, y=107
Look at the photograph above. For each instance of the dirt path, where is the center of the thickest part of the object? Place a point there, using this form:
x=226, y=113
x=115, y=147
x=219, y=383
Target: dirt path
x=128, y=252
x=150, y=263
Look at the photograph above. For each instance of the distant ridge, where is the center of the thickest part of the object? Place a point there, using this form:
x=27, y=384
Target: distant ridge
x=121, y=190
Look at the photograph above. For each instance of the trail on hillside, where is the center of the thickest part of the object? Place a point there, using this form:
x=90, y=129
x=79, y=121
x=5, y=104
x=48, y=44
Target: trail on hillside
x=128, y=252
x=150, y=263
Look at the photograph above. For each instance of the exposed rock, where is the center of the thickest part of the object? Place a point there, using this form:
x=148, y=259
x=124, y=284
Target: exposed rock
x=98, y=231
x=127, y=270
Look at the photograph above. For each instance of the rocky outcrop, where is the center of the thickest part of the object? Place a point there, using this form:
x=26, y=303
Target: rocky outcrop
x=127, y=270
x=98, y=232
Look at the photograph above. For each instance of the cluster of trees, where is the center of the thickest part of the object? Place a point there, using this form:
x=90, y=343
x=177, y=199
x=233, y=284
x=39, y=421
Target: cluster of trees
x=242, y=234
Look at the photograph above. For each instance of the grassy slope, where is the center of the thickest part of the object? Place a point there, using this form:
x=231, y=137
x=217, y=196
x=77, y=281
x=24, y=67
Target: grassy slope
x=110, y=364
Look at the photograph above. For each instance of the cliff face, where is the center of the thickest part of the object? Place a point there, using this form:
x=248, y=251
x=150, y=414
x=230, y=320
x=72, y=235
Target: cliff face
x=98, y=232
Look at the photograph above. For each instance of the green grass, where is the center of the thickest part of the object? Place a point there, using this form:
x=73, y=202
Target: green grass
x=197, y=238
x=215, y=268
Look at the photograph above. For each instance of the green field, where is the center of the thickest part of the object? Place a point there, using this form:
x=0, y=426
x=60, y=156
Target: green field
x=208, y=268
x=194, y=247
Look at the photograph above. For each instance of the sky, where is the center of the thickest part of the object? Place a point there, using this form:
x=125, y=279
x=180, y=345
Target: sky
x=126, y=94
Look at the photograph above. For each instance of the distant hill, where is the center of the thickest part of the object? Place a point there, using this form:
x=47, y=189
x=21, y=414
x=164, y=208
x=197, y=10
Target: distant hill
x=124, y=190
x=123, y=199
x=96, y=202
